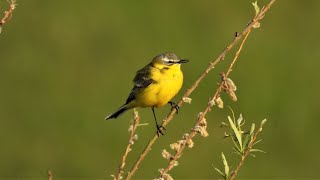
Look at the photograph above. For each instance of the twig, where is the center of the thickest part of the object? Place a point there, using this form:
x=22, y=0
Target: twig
x=8, y=14
x=195, y=130
x=235, y=172
x=50, y=174
x=239, y=36
x=132, y=137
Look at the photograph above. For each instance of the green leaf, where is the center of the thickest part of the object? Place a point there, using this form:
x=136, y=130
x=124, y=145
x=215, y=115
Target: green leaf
x=257, y=150
x=237, y=133
x=237, y=152
x=257, y=142
x=226, y=166
x=220, y=172
x=236, y=144
x=143, y=124
x=239, y=121
x=223, y=124
x=252, y=155
x=252, y=131
x=256, y=7
x=263, y=122
x=252, y=128
x=232, y=112
x=246, y=140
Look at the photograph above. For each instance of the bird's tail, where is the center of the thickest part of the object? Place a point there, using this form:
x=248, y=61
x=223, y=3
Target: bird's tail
x=114, y=115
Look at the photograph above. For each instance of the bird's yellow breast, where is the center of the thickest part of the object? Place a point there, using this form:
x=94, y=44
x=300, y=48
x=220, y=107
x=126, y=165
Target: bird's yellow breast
x=168, y=82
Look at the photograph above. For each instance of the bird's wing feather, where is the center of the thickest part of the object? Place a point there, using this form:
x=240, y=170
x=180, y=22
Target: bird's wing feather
x=141, y=80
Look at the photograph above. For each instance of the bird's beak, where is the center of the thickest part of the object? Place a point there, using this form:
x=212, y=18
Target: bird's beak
x=183, y=61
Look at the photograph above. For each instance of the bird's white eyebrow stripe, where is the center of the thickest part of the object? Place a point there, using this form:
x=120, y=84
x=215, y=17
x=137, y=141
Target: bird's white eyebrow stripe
x=170, y=60
x=166, y=59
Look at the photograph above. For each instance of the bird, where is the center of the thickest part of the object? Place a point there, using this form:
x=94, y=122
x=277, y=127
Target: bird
x=155, y=85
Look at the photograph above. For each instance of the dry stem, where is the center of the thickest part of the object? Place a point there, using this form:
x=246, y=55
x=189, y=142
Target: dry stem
x=8, y=14
x=50, y=174
x=234, y=174
x=130, y=143
x=207, y=109
x=258, y=17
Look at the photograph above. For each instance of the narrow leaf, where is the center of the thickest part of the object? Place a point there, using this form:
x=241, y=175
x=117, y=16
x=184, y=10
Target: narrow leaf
x=252, y=155
x=240, y=120
x=256, y=7
x=252, y=131
x=257, y=142
x=252, y=128
x=240, y=154
x=223, y=124
x=237, y=152
x=220, y=172
x=235, y=143
x=237, y=133
x=257, y=150
x=263, y=122
x=226, y=166
x=246, y=140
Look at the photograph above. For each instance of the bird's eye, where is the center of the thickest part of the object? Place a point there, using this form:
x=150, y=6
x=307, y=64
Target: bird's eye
x=168, y=62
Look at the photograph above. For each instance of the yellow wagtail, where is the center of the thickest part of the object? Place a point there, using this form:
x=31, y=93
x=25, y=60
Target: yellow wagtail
x=155, y=85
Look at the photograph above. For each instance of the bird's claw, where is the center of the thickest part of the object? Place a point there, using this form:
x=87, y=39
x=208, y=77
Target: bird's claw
x=159, y=129
x=174, y=106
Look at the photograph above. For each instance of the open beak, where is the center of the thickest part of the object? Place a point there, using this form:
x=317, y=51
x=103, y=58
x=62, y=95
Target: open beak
x=183, y=61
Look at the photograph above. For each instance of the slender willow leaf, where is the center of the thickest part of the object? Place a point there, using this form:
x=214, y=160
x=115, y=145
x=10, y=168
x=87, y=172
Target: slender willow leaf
x=257, y=142
x=237, y=133
x=226, y=166
x=263, y=122
x=253, y=126
x=220, y=172
x=246, y=140
x=256, y=7
x=235, y=144
x=257, y=150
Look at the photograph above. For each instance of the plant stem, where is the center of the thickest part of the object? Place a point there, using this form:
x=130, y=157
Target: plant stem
x=130, y=143
x=212, y=64
x=234, y=174
x=207, y=109
x=50, y=174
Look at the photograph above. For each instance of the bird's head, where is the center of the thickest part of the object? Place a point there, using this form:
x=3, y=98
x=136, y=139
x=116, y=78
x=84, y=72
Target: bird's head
x=168, y=59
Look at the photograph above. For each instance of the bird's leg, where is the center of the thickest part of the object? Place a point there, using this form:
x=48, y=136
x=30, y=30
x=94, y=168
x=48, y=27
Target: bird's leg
x=174, y=105
x=159, y=127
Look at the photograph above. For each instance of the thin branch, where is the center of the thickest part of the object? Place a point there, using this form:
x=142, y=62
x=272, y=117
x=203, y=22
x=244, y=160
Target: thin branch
x=234, y=174
x=132, y=137
x=212, y=64
x=50, y=174
x=8, y=14
x=195, y=130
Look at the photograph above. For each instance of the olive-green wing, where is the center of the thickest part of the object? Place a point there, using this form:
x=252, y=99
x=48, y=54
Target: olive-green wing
x=141, y=80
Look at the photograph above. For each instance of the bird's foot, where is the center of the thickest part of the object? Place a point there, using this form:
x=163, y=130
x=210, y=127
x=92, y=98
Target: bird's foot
x=160, y=129
x=174, y=106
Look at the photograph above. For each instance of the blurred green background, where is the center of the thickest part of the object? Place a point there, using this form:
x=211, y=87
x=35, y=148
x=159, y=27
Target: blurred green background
x=65, y=65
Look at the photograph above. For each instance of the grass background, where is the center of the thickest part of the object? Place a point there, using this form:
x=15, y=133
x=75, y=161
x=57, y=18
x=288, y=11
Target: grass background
x=65, y=65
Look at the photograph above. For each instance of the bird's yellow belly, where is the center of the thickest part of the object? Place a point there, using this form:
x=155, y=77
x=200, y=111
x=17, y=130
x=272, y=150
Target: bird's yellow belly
x=160, y=93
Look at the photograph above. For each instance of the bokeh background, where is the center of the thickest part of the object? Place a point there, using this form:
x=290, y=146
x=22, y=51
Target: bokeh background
x=65, y=65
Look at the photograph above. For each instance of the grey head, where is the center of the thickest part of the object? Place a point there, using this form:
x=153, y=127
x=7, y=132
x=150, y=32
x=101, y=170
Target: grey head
x=168, y=59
